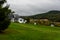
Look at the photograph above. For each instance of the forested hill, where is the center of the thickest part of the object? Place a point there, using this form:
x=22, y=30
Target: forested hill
x=48, y=14
x=53, y=15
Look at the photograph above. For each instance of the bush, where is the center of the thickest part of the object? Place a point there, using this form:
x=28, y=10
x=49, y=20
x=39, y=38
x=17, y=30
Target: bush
x=4, y=24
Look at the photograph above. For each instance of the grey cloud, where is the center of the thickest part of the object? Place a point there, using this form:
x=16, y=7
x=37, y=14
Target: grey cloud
x=31, y=7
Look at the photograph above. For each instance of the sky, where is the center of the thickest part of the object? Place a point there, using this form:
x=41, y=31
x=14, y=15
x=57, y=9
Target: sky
x=32, y=7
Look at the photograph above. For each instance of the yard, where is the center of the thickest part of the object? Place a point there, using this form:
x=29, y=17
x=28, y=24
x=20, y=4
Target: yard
x=18, y=31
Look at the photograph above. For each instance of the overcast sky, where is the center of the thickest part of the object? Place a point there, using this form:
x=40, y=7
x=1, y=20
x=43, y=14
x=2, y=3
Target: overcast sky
x=31, y=7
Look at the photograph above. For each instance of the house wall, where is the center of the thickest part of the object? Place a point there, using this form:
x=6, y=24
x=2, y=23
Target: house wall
x=44, y=21
x=34, y=20
x=40, y=21
x=57, y=23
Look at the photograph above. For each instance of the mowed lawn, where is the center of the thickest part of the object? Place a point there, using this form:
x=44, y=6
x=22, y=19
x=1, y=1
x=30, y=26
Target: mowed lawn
x=18, y=31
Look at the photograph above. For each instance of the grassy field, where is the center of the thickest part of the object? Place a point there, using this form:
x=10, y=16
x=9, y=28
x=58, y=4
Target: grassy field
x=18, y=31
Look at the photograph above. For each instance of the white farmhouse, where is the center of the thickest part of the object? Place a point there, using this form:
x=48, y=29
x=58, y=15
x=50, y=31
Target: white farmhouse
x=21, y=20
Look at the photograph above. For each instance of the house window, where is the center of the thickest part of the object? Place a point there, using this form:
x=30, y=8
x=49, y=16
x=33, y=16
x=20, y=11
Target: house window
x=20, y=20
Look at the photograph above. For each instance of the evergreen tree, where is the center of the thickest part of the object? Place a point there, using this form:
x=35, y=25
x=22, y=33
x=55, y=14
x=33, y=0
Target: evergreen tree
x=4, y=16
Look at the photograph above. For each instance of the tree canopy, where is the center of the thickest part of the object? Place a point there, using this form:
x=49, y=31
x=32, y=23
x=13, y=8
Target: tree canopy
x=4, y=15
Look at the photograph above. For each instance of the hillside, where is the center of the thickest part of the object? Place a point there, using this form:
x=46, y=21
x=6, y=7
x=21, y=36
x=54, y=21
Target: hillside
x=49, y=13
x=53, y=15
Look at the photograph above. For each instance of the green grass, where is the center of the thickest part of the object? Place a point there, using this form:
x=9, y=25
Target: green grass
x=18, y=31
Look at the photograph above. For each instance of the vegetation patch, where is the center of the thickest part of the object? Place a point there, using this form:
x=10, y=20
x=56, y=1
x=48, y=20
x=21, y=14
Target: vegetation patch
x=18, y=31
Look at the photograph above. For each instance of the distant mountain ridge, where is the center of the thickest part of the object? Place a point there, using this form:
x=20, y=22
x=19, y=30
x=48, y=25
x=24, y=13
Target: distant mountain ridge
x=53, y=15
